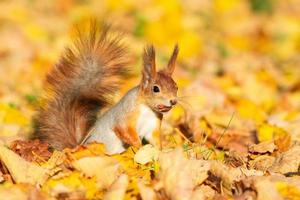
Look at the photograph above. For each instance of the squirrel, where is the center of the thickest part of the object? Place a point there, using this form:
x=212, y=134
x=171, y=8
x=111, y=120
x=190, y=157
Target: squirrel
x=81, y=85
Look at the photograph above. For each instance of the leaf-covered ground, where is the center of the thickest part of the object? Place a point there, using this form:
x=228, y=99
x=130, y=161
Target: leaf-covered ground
x=236, y=130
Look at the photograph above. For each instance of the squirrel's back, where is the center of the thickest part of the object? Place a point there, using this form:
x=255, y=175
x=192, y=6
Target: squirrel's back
x=79, y=85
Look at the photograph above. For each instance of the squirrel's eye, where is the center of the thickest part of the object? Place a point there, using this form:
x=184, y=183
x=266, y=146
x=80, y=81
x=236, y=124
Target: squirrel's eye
x=155, y=88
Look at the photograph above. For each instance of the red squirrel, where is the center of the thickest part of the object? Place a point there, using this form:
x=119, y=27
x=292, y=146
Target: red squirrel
x=80, y=86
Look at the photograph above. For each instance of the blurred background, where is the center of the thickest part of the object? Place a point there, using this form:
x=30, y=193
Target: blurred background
x=236, y=56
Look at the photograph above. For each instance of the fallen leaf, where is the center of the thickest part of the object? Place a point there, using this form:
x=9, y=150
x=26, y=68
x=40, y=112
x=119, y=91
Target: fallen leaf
x=250, y=172
x=147, y=193
x=146, y=154
x=198, y=194
x=21, y=170
x=117, y=189
x=288, y=161
x=267, y=132
x=236, y=159
x=93, y=149
x=263, y=147
x=180, y=175
x=223, y=172
x=32, y=150
x=288, y=190
x=262, y=162
x=208, y=192
x=73, y=186
x=21, y=192
x=53, y=164
x=230, y=175
x=105, y=169
x=283, y=141
x=249, y=110
x=266, y=190
x=56, y=159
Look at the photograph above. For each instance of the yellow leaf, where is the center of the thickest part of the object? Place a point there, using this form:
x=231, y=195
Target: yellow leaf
x=265, y=132
x=249, y=110
x=75, y=182
x=11, y=115
x=270, y=132
x=288, y=191
x=177, y=113
x=90, y=166
x=35, y=32
x=121, y=5
x=93, y=149
x=225, y=6
x=190, y=44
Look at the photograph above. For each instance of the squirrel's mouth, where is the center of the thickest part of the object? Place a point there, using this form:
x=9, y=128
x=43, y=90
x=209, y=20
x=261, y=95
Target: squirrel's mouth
x=163, y=108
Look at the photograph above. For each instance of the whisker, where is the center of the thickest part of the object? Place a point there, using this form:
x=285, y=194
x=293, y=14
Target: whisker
x=183, y=97
x=184, y=105
x=185, y=102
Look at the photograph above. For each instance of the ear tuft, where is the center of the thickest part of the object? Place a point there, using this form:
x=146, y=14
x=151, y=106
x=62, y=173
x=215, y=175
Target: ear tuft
x=172, y=62
x=149, y=70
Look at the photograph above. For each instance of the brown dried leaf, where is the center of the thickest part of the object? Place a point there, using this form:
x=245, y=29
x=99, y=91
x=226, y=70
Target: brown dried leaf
x=223, y=172
x=230, y=175
x=31, y=150
x=283, y=142
x=262, y=163
x=21, y=170
x=288, y=161
x=271, y=187
x=236, y=159
x=180, y=175
x=263, y=147
x=233, y=140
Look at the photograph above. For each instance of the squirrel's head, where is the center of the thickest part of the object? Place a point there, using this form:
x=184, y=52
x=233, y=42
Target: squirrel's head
x=159, y=90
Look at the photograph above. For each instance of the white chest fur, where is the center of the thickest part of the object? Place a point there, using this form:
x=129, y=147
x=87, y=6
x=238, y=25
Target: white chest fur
x=147, y=122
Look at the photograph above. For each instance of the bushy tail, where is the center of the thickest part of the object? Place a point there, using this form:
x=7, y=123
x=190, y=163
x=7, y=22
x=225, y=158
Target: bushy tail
x=79, y=86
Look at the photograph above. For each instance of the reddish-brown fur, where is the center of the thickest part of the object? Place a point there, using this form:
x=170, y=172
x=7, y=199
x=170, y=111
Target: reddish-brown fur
x=126, y=130
x=79, y=85
x=128, y=135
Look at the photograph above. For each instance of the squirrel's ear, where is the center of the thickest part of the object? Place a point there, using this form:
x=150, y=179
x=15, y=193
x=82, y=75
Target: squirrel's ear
x=149, y=70
x=172, y=62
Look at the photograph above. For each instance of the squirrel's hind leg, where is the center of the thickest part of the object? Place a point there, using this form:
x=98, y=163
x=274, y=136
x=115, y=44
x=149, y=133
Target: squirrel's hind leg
x=113, y=145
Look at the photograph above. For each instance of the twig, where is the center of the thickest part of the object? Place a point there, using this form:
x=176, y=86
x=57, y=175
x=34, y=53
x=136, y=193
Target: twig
x=224, y=130
x=182, y=135
x=215, y=146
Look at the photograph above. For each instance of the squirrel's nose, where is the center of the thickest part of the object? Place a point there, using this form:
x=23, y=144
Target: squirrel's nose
x=173, y=102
